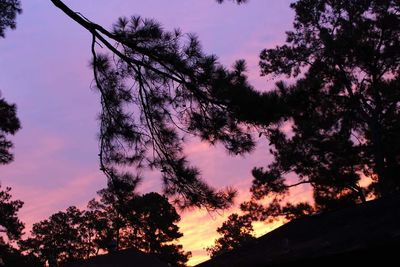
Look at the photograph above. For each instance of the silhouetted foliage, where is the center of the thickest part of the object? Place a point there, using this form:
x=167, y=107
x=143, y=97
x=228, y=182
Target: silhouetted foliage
x=340, y=119
x=11, y=231
x=10, y=226
x=10, y=256
x=9, y=222
x=59, y=239
x=147, y=223
x=111, y=214
x=236, y=232
x=8, y=12
x=337, y=123
x=9, y=124
x=159, y=87
x=276, y=210
x=157, y=224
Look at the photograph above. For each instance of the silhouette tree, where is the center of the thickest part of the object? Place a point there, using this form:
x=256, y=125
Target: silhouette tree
x=9, y=124
x=146, y=222
x=11, y=231
x=343, y=110
x=236, y=232
x=275, y=210
x=11, y=256
x=8, y=12
x=157, y=219
x=159, y=87
x=68, y=236
x=110, y=214
x=59, y=239
x=10, y=225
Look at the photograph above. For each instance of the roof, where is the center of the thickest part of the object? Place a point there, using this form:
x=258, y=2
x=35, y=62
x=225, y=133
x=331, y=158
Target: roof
x=122, y=258
x=366, y=232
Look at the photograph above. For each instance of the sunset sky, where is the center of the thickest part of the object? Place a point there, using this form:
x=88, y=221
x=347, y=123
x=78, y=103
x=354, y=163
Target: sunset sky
x=45, y=70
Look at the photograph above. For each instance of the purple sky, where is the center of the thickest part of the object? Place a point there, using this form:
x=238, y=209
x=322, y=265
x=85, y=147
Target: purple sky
x=44, y=70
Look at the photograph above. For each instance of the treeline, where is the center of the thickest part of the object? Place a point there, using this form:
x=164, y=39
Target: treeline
x=114, y=221
x=335, y=128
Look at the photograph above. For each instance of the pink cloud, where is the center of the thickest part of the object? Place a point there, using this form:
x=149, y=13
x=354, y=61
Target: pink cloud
x=40, y=203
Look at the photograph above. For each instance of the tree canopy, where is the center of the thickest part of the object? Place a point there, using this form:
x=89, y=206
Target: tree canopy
x=11, y=231
x=343, y=109
x=8, y=12
x=10, y=226
x=9, y=123
x=9, y=222
x=162, y=85
x=58, y=239
x=236, y=232
x=159, y=87
x=335, y=128
x=147, y=223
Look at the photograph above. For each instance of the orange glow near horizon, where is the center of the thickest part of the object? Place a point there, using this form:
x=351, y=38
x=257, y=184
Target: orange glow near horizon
x=199, y=228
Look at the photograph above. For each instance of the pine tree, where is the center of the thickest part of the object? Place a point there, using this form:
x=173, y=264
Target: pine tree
x=145, y=222
x=236, y=232
x=8, y=12
x=58, y=239
x=343, y=109
x=161, y=87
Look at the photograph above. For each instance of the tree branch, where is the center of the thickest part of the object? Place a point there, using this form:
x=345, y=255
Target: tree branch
x=299, y=183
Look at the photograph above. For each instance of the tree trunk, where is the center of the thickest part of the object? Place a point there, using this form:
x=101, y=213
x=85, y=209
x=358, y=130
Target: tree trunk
x=384, y=183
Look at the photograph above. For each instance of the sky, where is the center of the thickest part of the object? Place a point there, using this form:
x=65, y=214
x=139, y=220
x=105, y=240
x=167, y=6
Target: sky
x=45, y=70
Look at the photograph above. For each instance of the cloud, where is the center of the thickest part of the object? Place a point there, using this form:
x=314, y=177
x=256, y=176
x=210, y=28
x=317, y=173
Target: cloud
x=46, y=176
x=40, y=203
